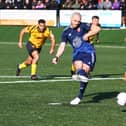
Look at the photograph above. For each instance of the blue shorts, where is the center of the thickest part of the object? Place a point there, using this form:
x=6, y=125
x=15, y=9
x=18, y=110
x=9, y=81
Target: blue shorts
x=86, y=58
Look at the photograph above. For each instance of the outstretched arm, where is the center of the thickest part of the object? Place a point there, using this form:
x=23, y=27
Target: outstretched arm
x=59, y=53
x=94, y=30
x=20, y=43
x=53, y=43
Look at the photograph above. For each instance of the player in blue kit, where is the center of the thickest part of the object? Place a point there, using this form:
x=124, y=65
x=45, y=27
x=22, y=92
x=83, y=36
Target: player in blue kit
x=95, y=21
x=84, y=56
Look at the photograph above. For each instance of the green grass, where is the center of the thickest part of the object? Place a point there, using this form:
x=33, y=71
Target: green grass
x=27, y=103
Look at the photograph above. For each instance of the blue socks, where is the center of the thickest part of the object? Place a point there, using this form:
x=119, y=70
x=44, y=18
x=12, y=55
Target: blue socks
x=83, y=85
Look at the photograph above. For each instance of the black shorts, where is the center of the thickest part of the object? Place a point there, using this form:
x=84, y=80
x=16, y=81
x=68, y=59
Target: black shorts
x=30, y=48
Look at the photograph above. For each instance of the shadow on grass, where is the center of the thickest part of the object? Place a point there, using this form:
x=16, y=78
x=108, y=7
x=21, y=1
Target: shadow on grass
x=97, y=97
x=68, y=76
x=124, y=110
x=52, y=77
x=107, y=75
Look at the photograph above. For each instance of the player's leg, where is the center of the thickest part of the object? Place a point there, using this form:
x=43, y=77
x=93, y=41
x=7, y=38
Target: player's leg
x=82, y=76
x=83, y=72
x=35, y=56
x=83, y=67
x=28, y=61
x=88, y=65
x=23, y=65
x=34, y=53
x=73, y=70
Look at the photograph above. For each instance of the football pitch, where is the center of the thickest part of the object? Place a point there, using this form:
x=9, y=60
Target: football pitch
x=45, y=102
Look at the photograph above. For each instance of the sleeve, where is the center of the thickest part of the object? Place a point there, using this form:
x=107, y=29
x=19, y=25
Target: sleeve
x=64, y=37
x=86, y=26
x=30, y=28
x=48, y=32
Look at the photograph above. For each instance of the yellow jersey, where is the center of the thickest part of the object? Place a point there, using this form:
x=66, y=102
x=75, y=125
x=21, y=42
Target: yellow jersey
x=38, y=38
x=91, y=39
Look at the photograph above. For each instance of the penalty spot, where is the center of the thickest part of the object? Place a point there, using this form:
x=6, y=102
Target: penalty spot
x=55, y=103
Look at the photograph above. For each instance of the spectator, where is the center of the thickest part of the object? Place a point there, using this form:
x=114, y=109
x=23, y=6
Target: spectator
x=40, y=5
x=84, y=4
x=76, y=4
x=107, y=4
x=9, y=4
x=18, y=4
x=95, y=2
x=100, y=4
x=34, y=3
x=67, y=4
x=47, y=4
x=53, y=5
x=123, y=9
x=116, y=5
x=59, y=3
x=2, y=4
x=91, y=5
x=28, y=4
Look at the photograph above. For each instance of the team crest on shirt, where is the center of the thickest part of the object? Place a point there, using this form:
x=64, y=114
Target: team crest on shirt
x=77, y=42
x=69, y=34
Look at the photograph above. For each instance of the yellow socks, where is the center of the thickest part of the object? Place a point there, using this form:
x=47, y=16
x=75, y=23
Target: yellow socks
x=22, y=66
x=33, y=69
x=73, y=68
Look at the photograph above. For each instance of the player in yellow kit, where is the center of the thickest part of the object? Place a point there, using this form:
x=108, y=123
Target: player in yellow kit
x=95, y=21
x=38, y=35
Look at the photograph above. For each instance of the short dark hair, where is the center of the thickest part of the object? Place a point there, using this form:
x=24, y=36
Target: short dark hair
x=97, y=17
x=41, y=21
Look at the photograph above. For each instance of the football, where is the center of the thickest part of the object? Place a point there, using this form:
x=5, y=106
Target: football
x=121, y=98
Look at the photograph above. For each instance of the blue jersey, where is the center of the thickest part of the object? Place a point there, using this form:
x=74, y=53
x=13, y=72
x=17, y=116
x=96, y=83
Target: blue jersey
x=75, y=38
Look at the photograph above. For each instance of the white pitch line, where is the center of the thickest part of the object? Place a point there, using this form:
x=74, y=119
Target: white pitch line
x=47, y=44
x=55, y=103
x=16, y=77
x=56, y=77
x=107, y=46
x=119, y=78
x=33, y=81
x=54, y=80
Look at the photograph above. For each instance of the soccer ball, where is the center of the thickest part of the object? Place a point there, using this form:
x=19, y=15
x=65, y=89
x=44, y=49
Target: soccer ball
x=121, y=98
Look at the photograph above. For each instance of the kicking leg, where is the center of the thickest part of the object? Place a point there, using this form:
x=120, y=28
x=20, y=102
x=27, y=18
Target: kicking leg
x=82, y=76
